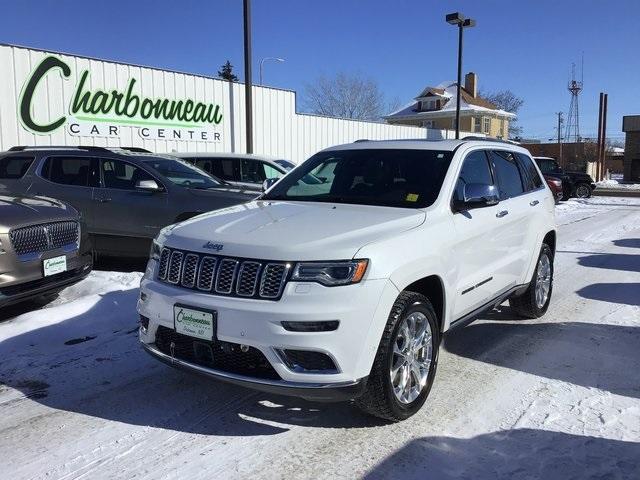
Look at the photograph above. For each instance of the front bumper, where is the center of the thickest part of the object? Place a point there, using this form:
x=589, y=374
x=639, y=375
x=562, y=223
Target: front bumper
x=321, y=392
x=360, y=309
x=33, y=284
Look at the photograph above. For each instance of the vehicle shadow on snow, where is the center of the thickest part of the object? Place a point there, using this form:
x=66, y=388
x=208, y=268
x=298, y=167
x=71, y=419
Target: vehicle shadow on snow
x=586, y=354
x=623, y=293
x=627, y=242
x=513, y=454
x=611, y=261
x=92, y=364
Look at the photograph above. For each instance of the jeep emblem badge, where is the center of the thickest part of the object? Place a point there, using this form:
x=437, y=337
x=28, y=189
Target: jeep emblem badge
x=213, y=246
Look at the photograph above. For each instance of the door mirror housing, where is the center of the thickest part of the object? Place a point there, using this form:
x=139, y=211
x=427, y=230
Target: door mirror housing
x=477, y=195
x=268, y=183
x=148, y=186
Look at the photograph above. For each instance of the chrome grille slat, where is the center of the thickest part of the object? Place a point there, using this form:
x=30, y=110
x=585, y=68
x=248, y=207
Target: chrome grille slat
x=189, y=270
x=223, y=276
x=164, y=263
x=44, y=237
x=226, y=275
x=248, y=278
x=273, y=279
x=175, y=267
x=206, y=273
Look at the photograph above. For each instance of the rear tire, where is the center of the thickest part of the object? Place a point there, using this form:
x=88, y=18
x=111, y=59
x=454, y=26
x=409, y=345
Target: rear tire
x=384, y=399
x=583, y=190
x=533, y=303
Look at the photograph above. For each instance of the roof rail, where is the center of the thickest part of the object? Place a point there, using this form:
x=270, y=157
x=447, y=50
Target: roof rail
x=89, y=148
x=135, y=149
x=360, y=140
x=489, y=139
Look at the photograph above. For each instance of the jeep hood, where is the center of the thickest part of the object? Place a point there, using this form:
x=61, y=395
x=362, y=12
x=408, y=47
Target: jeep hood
x=279, y=230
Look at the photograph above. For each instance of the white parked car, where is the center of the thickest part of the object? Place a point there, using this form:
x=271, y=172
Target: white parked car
x=342, y=288
x=248, y=171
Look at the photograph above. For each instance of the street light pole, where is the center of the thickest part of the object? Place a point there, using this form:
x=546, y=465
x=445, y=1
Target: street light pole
x=458, y=19
x=248, y=100
x=262, y=63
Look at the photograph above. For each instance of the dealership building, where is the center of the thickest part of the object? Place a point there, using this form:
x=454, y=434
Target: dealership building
x=51, y=98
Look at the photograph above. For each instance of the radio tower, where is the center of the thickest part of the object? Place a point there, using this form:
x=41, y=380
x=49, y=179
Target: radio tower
x=572, y=131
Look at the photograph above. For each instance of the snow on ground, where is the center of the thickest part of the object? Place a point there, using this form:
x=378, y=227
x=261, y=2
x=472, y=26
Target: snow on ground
x=615, y=184
x=558, y=397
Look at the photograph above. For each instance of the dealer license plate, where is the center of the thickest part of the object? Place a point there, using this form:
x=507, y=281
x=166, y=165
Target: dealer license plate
x=195, y=323
x=55, y=265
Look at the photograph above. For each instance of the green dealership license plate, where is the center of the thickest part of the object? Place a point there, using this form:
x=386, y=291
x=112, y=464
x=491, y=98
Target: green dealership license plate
x=55, y=265
x=195, y=323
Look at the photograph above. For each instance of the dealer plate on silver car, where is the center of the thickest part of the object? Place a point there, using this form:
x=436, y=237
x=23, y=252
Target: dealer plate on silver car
x=55, y=265
x=195, y=323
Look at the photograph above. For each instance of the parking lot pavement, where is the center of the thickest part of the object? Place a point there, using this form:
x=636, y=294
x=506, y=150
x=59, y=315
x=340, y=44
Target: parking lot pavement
x=556, y=397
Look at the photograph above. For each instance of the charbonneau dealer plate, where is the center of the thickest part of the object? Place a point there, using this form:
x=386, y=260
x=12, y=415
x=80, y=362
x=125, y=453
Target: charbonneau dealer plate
x=55, y=265
x=195, y=323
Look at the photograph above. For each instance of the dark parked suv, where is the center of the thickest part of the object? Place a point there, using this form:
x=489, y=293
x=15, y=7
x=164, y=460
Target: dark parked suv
x=125, y=197
x=42, y=248
x=574, y=184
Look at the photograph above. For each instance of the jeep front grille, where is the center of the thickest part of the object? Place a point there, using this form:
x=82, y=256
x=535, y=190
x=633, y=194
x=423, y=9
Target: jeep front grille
x=44, y=237
x=233, y=277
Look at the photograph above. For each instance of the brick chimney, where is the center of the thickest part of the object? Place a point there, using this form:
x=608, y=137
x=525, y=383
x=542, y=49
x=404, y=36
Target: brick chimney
x=471, y=83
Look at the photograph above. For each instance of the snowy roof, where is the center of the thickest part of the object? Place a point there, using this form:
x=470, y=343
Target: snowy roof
x=447, y=90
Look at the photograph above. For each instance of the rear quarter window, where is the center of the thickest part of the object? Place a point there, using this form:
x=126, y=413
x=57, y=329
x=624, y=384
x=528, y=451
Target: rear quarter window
x=14, y=167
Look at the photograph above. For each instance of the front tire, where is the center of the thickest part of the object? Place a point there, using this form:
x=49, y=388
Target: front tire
x=405, y=364
x=534, y=302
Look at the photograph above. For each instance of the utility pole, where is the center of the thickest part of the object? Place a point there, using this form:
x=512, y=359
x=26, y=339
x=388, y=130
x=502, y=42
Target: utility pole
x=248, y=100
x=600, y=141
x=560, y=138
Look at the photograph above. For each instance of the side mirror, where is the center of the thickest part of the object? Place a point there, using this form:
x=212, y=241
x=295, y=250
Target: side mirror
x=268, y=183
x=477, y=195
x=147, y=185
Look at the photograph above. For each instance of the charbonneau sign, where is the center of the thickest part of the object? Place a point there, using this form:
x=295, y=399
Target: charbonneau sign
x=100, y=113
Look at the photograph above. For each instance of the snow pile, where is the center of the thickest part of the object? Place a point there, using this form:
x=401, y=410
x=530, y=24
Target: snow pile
x=615, y=184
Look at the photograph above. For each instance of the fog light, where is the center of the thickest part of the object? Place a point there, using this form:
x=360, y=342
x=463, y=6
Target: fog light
x=144, y=323
x=326, y=326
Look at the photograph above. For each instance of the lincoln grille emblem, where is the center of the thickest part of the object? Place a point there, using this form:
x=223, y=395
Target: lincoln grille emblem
x=48, y=237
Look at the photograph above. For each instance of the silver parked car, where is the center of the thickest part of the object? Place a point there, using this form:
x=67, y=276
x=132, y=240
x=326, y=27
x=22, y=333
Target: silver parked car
x=125, y=197
x=42, y=248
x=243, y=170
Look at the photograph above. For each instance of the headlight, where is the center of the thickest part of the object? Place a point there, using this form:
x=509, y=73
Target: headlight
x=330, y=274
x=156, y=248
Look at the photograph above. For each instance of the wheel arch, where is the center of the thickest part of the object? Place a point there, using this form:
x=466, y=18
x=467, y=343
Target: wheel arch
x=433, y=288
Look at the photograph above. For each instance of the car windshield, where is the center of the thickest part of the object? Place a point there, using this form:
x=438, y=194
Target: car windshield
x=548, y=165
x=182, y=173
x=383, y=177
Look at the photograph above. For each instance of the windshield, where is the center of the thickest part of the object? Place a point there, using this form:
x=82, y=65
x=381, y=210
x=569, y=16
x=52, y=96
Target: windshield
x=548, y=165
x=182, y=173
x=394, y=178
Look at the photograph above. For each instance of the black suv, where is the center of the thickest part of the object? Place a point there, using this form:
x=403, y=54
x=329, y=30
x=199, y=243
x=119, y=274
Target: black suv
x=125, y=195
x=574, y=184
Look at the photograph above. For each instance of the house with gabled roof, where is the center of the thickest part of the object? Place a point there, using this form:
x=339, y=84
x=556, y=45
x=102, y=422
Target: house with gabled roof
x=435, y=107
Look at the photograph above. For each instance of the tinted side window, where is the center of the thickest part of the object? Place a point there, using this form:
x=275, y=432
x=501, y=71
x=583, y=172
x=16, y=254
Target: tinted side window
x=271, y=172
x=252, y=171
x=122, y=175
x=531, y=175
x=548, y=166
x=475, y=169
x=14, y=167
x=77, y=171
x=509, y=179
x=226, y=168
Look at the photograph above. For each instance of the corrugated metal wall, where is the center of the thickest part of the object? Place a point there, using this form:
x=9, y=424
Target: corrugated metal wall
x=278, y=129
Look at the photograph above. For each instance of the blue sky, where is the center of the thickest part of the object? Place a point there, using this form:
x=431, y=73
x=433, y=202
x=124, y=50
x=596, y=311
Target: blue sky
x=524, y=46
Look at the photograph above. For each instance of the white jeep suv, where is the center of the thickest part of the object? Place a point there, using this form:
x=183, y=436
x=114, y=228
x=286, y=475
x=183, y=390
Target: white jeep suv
x=340, y=280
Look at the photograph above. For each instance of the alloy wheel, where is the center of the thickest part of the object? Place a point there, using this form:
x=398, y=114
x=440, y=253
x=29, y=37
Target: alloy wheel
x=412, y=357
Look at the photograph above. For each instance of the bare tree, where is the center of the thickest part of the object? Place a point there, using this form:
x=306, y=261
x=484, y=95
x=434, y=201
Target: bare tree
x=345, y=96
x=508, y=101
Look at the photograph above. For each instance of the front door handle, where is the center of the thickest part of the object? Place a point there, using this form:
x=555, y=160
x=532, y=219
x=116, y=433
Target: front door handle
x=502, y=213
x=104, y=200
x=533, y=203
